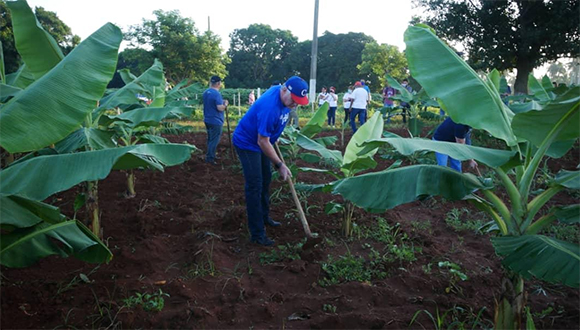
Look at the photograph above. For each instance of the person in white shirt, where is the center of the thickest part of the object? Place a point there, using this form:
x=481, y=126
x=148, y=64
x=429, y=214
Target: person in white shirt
x=360, y=98
x=322, y=97
x=332, y=105
x=347, y=103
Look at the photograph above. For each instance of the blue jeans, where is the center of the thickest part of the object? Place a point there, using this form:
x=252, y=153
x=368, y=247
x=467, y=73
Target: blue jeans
x=331, y=114
x=455, y=164
x=258, y=175
x=362, y=117
x=214, y=133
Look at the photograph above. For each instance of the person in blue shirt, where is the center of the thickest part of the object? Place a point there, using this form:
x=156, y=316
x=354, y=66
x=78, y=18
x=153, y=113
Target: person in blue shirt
x=449, y=131
x=253, y=138
x=213, y=116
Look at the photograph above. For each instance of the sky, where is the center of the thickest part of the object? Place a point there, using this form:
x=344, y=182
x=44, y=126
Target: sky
x=384, y=20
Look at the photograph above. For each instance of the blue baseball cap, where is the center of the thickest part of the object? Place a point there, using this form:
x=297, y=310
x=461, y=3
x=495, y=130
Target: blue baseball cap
x=298, y=89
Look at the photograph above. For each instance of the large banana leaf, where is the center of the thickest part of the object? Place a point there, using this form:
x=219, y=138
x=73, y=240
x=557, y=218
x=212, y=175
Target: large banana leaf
x=536, y=89
x=460, y=91
x=314, y=125
x=21, y=78
x=372, y=129
x=490, y=157
x=150, y=116
x=144, y=84
x=7, y=90
x=535, y=126
x=189, y=91
x=309, y=144
x=568, y=179
x=546, y=258
x=55, y=105
x=405, y=95
x=43, y=176
x=20, y=212
x=23, y=247
x=37, y=47
x=567, y=214
x=387, y=189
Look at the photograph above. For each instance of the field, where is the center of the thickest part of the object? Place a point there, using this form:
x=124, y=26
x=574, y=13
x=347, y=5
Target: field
x=182, y=260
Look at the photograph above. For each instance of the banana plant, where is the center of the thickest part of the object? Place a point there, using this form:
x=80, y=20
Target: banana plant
x=549, y=128
x=39, y=120
x=347, y=166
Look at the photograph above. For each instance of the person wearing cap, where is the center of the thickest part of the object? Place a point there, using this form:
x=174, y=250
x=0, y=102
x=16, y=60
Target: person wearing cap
x=404, y=105
x=347, y=103
x=213, y=116
x=366, y=87
x=254, y=138
x=360, y=98
x=332, y=105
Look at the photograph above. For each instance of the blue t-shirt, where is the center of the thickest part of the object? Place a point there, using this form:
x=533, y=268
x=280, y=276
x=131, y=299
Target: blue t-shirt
x=449, y=130
x=211, y=99
x=267, y=117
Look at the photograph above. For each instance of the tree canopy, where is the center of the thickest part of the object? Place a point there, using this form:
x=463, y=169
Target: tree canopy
x=184, y=51
x=506, y=34
x=380, y=60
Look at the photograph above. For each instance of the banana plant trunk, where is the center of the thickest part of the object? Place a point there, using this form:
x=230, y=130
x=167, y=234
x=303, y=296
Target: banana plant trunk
x=131, y=184
x=93, y=211
x=347, y=219
x=510, y=310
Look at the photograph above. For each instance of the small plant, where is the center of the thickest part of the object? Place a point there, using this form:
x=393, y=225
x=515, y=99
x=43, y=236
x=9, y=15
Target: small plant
x=328, y=308
x=455, y=273
x=427, y=268
x=284, y=252
x=453, y=220
x=203, y=268
x=454, y=318
x=422, y=226
x=349, y=268
x=151, y=302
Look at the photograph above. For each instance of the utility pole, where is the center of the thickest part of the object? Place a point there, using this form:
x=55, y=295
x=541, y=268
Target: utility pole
x=208, y=26
x=314, y=56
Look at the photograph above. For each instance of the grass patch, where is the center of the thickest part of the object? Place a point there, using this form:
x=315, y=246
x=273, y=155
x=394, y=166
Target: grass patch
x=282, y=253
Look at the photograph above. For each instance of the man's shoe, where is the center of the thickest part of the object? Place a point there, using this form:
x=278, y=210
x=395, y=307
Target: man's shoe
x=272, y=223
x=265, y=241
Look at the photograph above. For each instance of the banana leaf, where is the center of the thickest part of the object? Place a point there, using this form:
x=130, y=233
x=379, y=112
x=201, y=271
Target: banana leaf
x=535, y=126
x=43, y=176
x=404, y=95
x=568, y=179
x=309, y=144
x=387, y=189
x=489, y=157
x=546, y=258
x=7, y=91
x=189, y=91
x=150, y=116
x=37, y=47
x=464, y=96
x=318, y=170
x=525, y=107
x=20, y=212
x=150, y=138
x=314, y=125
x=55, y=105
x=326, y=140
x=567, y=214
x=372, y=129
x=21, y=78
x=2, y=68
x=24, y=247
x=536, y=89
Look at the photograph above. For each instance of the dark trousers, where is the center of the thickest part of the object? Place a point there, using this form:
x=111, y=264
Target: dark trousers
x=331, y=114
x=214, y=133
x=257, y=174
x=362, y=117
x=346, y=114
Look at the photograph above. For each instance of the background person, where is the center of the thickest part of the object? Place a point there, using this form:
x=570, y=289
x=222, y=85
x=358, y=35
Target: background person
x=253, y=138
x=213, y=116
x=449, y=131
x=359, y=105
x=332, y=105
x=388, y=103
x=404, y=105
x=322, y=97
x=251, y=98
x=347, y=103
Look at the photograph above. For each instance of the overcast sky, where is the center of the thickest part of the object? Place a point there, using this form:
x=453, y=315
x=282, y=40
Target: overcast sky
x=384, y=20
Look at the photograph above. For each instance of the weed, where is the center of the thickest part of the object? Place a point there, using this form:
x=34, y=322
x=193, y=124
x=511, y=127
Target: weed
x=564, y=232
x=348, y=268
x=203, y=268
x=328, y=308
x=151, y=302
x=422, y=226
x=454, y=318
x=66, y=324
x=427, y=268
x=283, y=252
x=395, y=240
x=453, y=220
x=77, y=279
x=455, y=273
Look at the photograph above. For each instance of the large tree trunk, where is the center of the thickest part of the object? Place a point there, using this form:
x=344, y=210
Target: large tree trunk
x=524, y=68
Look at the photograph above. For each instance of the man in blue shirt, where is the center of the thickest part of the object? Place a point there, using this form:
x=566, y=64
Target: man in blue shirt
x=449, y=131
x=213, y=116
x=253, y=138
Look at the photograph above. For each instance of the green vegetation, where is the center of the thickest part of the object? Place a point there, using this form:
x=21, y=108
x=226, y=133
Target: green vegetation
x=455, y=221
x=150, y=302
x=282, y=253
x=349, y=268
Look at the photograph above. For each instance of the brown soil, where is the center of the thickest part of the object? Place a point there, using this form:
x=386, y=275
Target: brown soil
x=192, y=214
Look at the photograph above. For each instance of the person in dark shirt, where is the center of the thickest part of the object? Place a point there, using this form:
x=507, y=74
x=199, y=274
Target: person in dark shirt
x=213, y=116
x=449, y=131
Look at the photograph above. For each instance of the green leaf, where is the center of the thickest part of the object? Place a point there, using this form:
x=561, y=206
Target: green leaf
x=7, y=91
x=24, y=247
x=525, y=107
x=333, y=207
x=308, y=144
x=537, y=89
x=314, y=125
x=150, y=138
x=149, y=116
x=326, y=140
x=55, y=105
x=43, y=176
x=568, y=179
x=309, y=158
x=535, y=126
x=21, y=78
x=318, y=170
x=22, y=212
x=567, y=214
x=460, y=91
x=490, y=157
x=383, y=190
x=37, y=47
x=494, y=78
x=546, y=258
x=405, y=95
x=372, y=129
x=415, y=126
x=190, y=91
x=547, y=83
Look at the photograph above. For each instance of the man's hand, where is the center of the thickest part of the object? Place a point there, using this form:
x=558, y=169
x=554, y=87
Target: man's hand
x=472, y=163
x=284, y=172
x=226, y=103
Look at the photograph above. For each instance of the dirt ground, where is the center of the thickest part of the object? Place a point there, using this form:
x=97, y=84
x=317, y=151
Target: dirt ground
x=185, y=234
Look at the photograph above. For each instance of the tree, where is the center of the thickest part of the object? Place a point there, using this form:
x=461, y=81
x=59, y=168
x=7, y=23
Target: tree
x=257, y=55
x=49, y=21
x=185, y=52
x=506, y=34
x=381, y=60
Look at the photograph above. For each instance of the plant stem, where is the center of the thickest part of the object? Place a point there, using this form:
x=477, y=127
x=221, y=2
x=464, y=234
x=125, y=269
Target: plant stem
x=501, y=209
x=536, y=204
x=514, y=194
x=542, y=222
x=131, y=184
x=93, y=207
